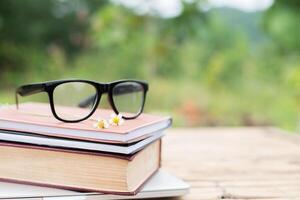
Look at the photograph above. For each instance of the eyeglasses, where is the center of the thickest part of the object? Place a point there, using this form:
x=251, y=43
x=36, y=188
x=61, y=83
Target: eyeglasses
x=125, y=96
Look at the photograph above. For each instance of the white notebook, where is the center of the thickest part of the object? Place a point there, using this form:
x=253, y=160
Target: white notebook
x=162, y=184
x=14, y=136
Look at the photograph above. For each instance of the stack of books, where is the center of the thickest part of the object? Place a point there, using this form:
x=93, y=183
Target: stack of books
x=37, y=149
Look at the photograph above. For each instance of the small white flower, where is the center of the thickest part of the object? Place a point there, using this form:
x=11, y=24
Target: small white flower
x=101, y=124
x=116, y=120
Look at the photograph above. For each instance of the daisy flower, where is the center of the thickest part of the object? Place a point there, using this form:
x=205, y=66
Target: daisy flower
x=101, y=124
x=116, y=120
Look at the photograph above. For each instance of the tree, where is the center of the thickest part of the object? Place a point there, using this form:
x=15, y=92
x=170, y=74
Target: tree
x=35, y=24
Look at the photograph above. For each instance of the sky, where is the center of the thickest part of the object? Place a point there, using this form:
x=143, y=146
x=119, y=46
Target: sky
x=172, y=8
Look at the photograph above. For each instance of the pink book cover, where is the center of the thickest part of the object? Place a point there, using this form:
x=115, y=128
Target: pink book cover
x=40, y=114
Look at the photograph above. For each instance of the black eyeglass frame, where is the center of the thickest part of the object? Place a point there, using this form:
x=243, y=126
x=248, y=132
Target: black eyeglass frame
x=101, y=88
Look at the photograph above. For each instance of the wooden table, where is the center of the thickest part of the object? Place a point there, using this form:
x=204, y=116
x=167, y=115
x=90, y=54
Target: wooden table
x=235, y=163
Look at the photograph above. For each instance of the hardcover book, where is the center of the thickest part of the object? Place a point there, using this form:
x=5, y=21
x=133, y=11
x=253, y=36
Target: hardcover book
x=78, y=170
x=37, y=118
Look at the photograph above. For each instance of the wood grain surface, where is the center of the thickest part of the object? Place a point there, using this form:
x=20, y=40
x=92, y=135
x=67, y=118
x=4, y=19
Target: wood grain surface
x=234, y=163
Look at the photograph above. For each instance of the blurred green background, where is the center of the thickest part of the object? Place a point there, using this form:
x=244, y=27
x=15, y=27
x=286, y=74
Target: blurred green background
x=208, y=63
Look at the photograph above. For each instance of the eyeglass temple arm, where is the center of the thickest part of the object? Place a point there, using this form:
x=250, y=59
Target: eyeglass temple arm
x=91, y=99
x=26, y=90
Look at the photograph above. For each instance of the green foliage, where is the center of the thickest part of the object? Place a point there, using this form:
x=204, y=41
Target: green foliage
x=283, y=25
x=31, y=26
x=219, y=67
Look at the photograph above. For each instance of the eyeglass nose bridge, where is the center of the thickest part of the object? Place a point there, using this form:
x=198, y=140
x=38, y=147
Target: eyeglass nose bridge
x=103, y=88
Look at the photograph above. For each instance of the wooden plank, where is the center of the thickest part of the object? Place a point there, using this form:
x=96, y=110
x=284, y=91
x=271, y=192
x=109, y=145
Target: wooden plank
x=234, y=163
